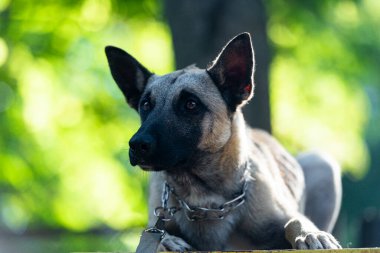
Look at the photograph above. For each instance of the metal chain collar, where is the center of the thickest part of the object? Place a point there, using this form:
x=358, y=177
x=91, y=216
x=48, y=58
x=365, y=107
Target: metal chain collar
x=196, y=213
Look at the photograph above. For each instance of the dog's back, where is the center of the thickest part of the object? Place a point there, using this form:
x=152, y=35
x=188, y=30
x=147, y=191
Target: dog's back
x=312, y=179
x=283, y=167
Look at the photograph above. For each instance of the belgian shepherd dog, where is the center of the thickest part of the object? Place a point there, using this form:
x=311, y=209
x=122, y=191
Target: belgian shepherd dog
x=227, y=186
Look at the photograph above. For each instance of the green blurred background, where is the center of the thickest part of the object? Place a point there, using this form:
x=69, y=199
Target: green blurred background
x=65, y=180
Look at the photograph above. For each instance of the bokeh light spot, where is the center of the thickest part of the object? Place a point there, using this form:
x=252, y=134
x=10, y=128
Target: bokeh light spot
x=14, y=215
x=95, y=14
x=4, y=4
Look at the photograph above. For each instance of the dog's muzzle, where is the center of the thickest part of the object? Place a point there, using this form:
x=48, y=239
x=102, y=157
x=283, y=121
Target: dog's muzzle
x=142, y=147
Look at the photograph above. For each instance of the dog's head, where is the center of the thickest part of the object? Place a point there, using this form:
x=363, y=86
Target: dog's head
x=187, y=112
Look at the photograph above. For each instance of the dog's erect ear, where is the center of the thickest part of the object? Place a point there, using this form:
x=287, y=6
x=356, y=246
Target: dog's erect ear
x=232, y=71
x=129, y=74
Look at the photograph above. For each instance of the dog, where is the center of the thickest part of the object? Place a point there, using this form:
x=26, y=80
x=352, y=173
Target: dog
x=228, y=186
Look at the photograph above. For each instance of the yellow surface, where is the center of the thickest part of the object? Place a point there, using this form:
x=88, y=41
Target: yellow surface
x=362, y=250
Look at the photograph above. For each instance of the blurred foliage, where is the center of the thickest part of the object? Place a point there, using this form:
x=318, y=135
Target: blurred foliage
x=325, y=53
x=325, y=93
x=64, y=126
x=72, y=242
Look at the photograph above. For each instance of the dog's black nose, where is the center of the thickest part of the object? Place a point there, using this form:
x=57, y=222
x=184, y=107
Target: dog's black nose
x=142, y=147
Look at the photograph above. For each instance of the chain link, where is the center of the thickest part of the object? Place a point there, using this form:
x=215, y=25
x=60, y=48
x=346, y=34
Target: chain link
x=163, y=212
x=196, y=213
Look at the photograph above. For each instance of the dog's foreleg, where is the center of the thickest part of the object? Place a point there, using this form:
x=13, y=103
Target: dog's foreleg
x=173, y=243
x=301, y=233
x=169, y=242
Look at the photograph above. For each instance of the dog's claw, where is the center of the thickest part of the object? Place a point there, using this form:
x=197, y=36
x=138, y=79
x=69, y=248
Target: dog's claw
x=317, y=240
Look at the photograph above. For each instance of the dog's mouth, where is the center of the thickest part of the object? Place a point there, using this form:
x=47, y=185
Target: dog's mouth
x=149, y=167
x=143, y=164
x=140, y=162
x=150, y=164
x=146, y=166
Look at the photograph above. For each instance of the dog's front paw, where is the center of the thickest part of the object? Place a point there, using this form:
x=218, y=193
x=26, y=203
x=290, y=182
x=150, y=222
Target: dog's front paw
x=317, y=240
x=173, y=243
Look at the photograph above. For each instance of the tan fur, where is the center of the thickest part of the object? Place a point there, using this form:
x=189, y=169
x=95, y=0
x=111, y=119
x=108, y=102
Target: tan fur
x=275, y=194
x=216, y=125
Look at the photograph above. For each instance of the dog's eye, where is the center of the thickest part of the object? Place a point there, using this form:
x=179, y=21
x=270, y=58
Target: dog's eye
x=191, y=104
x=145, y=105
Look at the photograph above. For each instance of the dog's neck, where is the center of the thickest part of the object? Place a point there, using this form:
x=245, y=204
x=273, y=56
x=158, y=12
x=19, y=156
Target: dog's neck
x=217, y=173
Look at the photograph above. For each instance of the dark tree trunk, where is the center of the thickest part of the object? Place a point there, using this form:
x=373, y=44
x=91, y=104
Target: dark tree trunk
x=370, y=230
x=201, y=28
